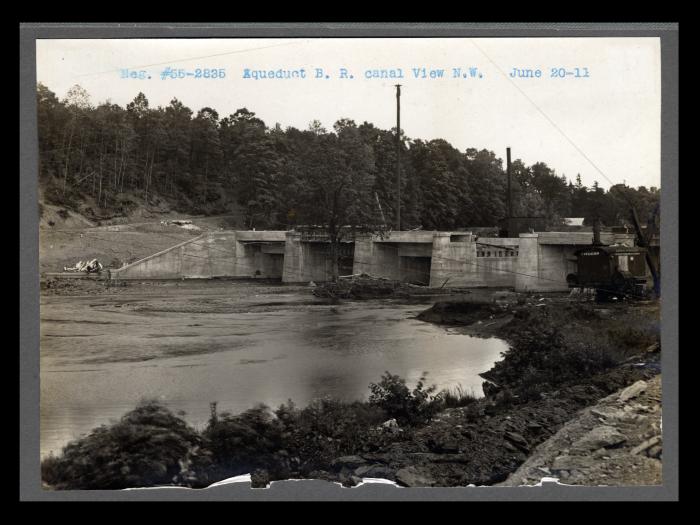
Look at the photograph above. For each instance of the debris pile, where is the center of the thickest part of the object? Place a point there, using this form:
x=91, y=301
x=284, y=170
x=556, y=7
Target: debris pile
x=364, y=286
x=92, y=266
x=58, y=286
x=184, y=224
x=361, y=286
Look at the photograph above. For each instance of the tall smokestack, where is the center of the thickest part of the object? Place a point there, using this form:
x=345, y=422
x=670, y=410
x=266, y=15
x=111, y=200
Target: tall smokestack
x=596, y=233
x=509, y=199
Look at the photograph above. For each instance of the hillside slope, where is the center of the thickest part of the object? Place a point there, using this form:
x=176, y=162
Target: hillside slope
x=67, y=236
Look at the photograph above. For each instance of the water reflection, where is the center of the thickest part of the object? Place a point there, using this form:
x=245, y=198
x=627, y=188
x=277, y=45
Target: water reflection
x=186, y=359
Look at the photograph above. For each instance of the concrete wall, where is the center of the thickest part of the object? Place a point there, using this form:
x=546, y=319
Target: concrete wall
x=495, y=261
x=214, y=254
x=528, y=265
x=457, y=261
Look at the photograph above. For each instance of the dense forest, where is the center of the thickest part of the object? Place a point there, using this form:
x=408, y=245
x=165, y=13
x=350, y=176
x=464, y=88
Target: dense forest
x=97, y=158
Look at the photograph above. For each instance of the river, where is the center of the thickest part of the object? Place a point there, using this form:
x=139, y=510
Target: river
x=236, y=343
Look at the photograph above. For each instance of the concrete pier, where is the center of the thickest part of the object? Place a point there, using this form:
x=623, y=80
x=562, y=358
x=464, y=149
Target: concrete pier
x=306, y=261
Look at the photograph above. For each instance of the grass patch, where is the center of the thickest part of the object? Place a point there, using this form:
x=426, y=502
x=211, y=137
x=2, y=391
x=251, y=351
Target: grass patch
x=456, y=397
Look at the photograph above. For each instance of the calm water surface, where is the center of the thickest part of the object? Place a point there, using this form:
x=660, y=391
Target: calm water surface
x=235, y=343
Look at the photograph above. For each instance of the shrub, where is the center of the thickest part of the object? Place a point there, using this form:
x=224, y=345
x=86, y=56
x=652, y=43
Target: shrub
x=242, y=443
x=144, y=448
x=629, y=341
x=328, y=428
x=399, y=402
x=542, y=357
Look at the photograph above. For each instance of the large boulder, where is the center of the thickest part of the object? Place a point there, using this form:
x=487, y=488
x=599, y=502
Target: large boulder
x=633, y=391
x=375, y=471
x=600, y=437
x=351, y=462
x=414, y=477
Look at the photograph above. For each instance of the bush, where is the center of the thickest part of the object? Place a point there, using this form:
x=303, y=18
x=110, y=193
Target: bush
x=406, y=406
x=151, y=446
x=327, y=429
x=144, y=448
x=542, y=358
x=629, y=341
x=242, y=443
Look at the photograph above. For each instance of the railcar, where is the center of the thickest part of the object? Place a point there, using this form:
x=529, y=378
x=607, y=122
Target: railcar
x=611, y=271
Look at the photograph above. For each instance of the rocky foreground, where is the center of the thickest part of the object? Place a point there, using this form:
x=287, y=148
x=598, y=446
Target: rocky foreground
x=617, y=441
x=485, y=443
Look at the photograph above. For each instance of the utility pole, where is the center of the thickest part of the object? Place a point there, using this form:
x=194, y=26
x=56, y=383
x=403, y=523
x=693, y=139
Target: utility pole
x=510, y=198
x=398, y=157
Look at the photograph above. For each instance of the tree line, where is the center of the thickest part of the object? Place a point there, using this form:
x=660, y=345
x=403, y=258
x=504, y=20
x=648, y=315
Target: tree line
x=104, y=155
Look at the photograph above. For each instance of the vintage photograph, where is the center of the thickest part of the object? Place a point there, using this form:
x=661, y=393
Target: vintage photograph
x=426, y=262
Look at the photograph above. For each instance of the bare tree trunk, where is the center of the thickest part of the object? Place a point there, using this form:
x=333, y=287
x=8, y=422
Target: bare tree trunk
x=122, y=168
x=115, y=181
x=206, y=170
x=65, y=170
x=149, y=177
x=93, y=178
x=334, y=240
x=334, y=259
x=82, y=153
x=145, y=170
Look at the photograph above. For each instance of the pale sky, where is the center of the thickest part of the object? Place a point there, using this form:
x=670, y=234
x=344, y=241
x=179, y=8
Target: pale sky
x=612, y=116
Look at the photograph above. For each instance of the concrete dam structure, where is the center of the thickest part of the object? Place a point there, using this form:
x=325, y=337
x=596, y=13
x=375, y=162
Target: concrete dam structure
x=213, y=254
x=534, y=262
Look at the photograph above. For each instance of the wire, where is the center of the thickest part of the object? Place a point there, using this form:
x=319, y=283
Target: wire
x=554, y=124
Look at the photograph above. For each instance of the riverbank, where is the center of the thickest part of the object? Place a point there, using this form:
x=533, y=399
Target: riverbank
x=564, y=356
